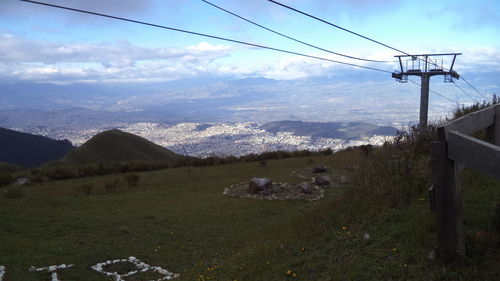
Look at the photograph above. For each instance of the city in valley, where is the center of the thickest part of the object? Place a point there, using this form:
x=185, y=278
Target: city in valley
x=223, y=139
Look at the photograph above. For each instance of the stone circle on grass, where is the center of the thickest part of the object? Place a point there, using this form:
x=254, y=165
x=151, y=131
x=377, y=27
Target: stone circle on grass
x=320, y=177
x=278, y=191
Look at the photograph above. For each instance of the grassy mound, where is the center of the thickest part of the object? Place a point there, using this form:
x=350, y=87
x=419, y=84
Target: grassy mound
x=117, y=146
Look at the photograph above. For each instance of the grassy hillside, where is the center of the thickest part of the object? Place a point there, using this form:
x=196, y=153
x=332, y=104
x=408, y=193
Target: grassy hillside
x=117, y=146
x=30, y=150
x=339, y=130
x=10, y=168
x=179, y=220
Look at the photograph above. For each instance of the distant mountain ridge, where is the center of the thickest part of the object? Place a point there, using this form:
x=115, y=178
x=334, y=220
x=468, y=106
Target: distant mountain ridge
x=29, y=150
x=336, y=130
x=117, y=146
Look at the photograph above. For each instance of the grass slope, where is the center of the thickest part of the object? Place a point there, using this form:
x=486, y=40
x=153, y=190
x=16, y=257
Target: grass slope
x=117, y=146
x=10, y=168
x=179, y=220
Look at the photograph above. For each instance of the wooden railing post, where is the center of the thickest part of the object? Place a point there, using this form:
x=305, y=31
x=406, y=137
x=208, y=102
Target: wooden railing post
x=496, y=126
x=493, y=131
x=448, y=202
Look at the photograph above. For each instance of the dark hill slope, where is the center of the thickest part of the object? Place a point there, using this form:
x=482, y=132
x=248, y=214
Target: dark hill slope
x=337, y=130
x=117, y=146
x=10, y=168
x=30, y=150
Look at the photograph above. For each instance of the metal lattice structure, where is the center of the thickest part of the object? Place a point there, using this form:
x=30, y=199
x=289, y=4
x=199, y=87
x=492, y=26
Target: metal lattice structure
x=425, y=66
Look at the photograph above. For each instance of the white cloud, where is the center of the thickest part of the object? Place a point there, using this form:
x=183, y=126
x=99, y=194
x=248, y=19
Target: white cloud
x=33, y=60
x=121, y=61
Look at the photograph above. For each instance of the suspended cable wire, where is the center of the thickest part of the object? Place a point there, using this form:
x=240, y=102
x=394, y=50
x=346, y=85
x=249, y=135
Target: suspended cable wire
x=463, y=78
x=204, y=35
x=289, y=37
x=463, y=91
x=434, y=92
x=337, y=26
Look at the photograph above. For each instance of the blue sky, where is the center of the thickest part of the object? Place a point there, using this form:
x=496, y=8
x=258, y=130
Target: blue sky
x=43, y=44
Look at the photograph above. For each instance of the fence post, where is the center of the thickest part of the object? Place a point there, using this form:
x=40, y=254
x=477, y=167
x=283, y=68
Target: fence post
x=493, y=131
x=449, y=206
x=496, y=126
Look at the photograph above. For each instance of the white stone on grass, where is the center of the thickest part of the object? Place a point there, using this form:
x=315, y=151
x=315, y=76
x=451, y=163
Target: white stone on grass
x=2, y=272
x=52, y=269
x=141, y=267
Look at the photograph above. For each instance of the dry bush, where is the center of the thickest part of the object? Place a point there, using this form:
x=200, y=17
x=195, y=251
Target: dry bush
x=111, y=186
x=5, y=179
x=132, y=179
x=87, y=189
x=395, y=173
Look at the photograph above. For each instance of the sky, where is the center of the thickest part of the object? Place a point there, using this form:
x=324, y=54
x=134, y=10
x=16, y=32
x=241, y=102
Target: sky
x=44, y=44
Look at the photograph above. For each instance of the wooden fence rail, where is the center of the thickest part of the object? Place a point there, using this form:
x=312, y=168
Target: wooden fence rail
x=455, y=150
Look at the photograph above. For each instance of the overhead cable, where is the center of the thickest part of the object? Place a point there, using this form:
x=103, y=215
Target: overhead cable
x=418, y=84
x=463, y=91
x=337, y=26
x=473, y=87
x=289, y=37
x=204, y=35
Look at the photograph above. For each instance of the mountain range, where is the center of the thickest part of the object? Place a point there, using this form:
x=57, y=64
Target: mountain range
x=353, y=97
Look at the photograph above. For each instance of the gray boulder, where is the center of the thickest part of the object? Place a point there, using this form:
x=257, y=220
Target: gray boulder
x=257, y=185
x=22, y=181
x=319, y=170
x=306, y=187
x=322, y=181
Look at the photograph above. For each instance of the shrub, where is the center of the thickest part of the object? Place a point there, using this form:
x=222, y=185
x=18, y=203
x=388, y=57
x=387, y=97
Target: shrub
x=14, y=193
x=397, y=172
x=87, y=189
x=132, y=180
x=111, y=186
x=5, y=179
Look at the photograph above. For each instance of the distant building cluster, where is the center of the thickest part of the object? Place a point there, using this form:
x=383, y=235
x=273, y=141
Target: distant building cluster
x=220, y=139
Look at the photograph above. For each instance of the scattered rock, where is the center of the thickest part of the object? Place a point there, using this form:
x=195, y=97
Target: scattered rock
x=343, y=179
x=22, y=181
x=260, y=184
x=322, y=181
x=279, y=191
x=366, y=237
x=319, y=170
x=306, y=187
x=431, y=255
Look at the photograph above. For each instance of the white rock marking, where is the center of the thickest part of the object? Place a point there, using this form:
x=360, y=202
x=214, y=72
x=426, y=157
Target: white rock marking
x=141, y=267
x=52, y=269
x=2, y=272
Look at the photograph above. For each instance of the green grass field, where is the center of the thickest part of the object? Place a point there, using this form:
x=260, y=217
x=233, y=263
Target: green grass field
x=179, y=220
